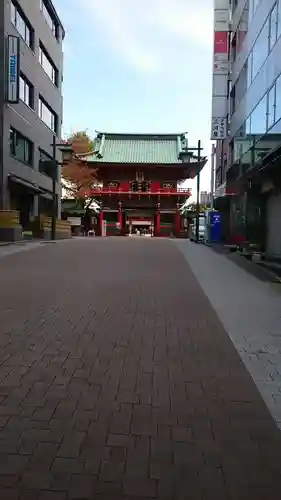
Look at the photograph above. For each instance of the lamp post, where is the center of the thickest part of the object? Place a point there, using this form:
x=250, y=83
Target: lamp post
x=67, y=154
x=198, y=193
x=213, y=176
x=187, y=156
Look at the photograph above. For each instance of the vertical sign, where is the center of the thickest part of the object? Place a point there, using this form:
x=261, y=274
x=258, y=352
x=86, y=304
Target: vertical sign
x=220, y=70
x=13, y=69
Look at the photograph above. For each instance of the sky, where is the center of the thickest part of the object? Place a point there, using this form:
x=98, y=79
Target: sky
x=139, y=66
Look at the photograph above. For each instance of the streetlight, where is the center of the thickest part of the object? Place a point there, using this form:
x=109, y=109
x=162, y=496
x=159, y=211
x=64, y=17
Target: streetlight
x=67, y=154
x=186, y=156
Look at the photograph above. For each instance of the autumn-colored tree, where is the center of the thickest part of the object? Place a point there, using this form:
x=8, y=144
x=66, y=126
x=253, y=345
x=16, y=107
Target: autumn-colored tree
x=77, y=177
x=192, y=207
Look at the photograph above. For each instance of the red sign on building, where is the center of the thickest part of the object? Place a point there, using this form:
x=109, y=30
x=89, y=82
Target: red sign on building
x=220, y=42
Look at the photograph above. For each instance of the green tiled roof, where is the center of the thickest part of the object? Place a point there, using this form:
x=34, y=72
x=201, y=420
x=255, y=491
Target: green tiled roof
x=137, y=148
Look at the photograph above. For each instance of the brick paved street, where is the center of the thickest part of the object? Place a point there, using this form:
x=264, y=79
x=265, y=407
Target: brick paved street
x=117, y=381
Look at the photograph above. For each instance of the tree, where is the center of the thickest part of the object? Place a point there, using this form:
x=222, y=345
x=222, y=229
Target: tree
x=78, y=178
x=192, y=207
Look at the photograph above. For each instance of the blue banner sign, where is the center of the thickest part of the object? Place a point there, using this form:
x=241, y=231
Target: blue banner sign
x=13, y=69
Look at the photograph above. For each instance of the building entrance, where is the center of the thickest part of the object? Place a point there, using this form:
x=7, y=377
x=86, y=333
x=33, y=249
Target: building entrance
x=21, y=199
x=141, y=227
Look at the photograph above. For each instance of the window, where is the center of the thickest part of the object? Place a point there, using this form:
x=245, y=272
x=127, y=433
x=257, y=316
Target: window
x=241, y=86
x=242, y=26
x=21, y=148
x=47, y=115
x=22, y=25
x=258, y=118
x=278, y=18
x=49, y=19
x=278, y=99
x=249, y=69
x=271, y=107
x=48, y=65
x=234, y=5
x=26, y=91
x=273, y=27
x=46, y=163
x=260, y=49
x=253, y=5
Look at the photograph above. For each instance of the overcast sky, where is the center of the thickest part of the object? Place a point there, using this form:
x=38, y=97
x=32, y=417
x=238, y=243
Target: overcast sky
x=139, y=66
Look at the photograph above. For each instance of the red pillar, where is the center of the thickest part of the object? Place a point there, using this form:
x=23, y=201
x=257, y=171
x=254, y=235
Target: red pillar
x=177, y=222
x=120, y=218
x=101, y=221
x=157, y=221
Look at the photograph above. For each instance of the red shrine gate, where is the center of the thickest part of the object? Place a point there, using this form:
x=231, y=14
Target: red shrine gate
x=139, y=176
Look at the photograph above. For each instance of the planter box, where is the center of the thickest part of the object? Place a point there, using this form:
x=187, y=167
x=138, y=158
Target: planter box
x=10, y=228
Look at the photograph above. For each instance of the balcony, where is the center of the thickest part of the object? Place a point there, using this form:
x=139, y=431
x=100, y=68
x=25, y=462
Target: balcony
x=99, y=191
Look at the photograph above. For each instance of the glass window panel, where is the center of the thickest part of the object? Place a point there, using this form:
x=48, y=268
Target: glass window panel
x=13, y=14
x=258, y=118
x=47, y=65
x=27, y=152
x=20, y=147
x=273, y=27
x=12, y=142
x=278, y=18
x=22, y=89
x=47, y=116
x=242, y=26
x=26, y=91
x=255, y=5
x=21, y=25
x=28, y=36
x=249, y=69
x=260, y=49
x=250, y=9
x=271, y=108
x=278, y=99
x=51, y=23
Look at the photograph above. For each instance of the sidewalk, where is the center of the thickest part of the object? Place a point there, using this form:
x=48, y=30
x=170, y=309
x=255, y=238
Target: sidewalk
x=250, y=311
x=119, y=382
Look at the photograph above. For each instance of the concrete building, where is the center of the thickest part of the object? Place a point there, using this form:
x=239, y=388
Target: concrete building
x=205, y=198
x=30, y=104
x=248, y=179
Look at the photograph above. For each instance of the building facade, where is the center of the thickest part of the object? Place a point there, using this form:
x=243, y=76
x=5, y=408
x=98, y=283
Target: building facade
x=139, y=176
x=30, y=119
x=248, y=182
x=205, y=198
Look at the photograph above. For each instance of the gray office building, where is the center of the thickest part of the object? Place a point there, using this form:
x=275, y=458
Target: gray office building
x=248, y=160
x=31, y=64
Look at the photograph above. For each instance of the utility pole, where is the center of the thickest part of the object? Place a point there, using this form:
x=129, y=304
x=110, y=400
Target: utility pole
x=212, y=176
x=54, y=184
x=198, y=193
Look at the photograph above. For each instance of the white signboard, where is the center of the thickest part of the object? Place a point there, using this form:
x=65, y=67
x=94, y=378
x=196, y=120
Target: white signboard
x=13, y=69
x=220, y=64
x=220, y=70
x=221, y=190
x=220, y=86
x=219, y=128
x=221, y=20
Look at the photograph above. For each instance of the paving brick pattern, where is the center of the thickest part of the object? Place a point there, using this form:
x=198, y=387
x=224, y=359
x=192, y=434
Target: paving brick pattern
x=250, y=312
x=117, y=381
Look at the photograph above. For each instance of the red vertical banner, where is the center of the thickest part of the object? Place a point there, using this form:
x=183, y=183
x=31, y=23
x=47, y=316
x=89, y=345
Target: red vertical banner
x=120, y=218
x=220, y=42
x=101, y=222
x=157, y=223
